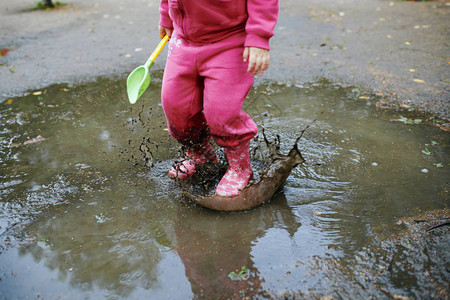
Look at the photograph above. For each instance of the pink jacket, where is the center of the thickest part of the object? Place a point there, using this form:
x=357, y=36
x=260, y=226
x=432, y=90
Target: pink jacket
x=208, y=21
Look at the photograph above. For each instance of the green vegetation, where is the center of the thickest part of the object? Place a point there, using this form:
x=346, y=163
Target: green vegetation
x=48, y=4
x=243, y=274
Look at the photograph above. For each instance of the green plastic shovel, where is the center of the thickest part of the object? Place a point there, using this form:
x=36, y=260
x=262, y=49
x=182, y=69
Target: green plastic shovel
x=139, y=79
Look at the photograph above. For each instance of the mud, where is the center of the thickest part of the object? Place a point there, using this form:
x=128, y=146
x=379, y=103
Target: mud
x=259, y=191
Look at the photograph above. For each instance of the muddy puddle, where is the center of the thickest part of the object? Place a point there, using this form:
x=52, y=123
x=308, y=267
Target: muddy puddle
x=84, y=215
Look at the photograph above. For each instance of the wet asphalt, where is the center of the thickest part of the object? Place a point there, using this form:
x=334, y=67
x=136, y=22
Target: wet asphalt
x=397, y=49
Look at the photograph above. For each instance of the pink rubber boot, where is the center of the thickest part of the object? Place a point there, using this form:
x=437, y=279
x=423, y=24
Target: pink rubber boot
x=239, y=171
x=194, y=158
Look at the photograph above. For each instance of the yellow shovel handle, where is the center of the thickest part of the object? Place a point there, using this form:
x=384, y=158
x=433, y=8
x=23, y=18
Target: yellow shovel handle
x=159, y=48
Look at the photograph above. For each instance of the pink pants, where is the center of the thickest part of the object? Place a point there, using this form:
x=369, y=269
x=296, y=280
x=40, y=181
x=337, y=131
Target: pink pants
x=203, y=90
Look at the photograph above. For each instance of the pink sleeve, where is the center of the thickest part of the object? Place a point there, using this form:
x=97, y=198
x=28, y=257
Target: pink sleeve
x=165, y=20
x=262, y=18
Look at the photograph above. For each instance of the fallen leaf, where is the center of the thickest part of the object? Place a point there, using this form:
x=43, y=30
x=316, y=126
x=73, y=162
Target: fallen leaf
x=412, y=70
x=364, y=97
x=381, y=105
x=35, y=140
x=64, y=89
x=400, y=297
x=419, y=80
x=101, y=218
x=403, y=120
x=318, y=213
x=3, y=52
x=9, y=101
x=408, y=121
x=37, y=93
x=417, y=27
x=427, y=152
x=407, y=43
x=445, y=127
x=389, y=36
x=425, y=26
x=127, y=55
x=313, y=54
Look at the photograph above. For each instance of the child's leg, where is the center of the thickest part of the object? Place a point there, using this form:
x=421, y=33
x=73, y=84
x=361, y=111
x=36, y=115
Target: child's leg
x=182, y=95
x=227, y=83
x=182, y=100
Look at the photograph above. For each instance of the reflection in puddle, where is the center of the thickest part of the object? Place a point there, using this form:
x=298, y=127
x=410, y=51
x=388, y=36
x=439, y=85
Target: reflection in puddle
x=82, y=215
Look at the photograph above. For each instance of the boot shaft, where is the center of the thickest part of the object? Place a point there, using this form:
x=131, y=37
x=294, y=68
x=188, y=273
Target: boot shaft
x=202, y=152
x=238, y=157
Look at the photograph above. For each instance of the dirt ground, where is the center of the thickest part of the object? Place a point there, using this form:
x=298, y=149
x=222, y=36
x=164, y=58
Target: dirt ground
x=398, y=49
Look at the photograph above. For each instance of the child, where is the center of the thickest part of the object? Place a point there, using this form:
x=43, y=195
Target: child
x=216, y=49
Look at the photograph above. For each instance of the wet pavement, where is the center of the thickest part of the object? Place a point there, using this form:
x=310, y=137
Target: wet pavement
x=397, y=48
x=84, y=215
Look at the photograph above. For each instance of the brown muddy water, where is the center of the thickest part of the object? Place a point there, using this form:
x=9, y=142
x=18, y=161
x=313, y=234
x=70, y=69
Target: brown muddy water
x=84, y=216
